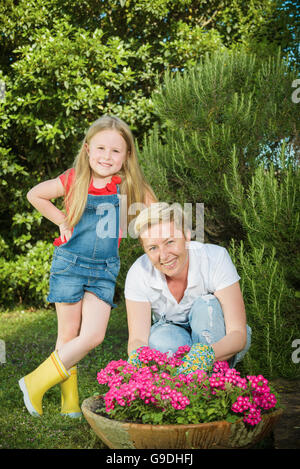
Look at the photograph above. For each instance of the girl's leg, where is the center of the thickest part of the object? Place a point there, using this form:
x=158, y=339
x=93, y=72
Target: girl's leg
x=94, y=319
x=54, y=370
x=68, y=327
x=68, y=322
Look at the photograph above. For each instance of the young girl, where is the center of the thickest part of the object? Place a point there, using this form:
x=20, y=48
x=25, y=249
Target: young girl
x=86, y=260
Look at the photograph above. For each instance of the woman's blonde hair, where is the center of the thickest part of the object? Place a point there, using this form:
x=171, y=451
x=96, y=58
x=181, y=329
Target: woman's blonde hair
x=133, y=182
x=161, y=212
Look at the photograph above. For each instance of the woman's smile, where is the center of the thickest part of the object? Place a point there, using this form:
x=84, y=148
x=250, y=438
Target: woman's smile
x=170, y=264
x=166, y=248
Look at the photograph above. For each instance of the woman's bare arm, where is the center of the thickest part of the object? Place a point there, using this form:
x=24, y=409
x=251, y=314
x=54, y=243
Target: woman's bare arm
x=232, y=303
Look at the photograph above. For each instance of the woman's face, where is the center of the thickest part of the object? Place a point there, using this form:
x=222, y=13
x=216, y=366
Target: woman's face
x=166, y=247
x=107, y=152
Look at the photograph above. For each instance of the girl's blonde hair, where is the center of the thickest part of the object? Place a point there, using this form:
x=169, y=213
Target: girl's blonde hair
x=133, y=182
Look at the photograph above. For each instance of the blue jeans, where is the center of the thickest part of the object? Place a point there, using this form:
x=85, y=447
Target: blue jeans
x=205, y=325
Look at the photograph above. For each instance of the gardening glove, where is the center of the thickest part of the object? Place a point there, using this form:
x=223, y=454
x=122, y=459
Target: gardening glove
x=200, y=357
x=133, y=357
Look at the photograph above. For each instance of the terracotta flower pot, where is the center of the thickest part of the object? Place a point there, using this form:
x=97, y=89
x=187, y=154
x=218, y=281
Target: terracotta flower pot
x=222, y=434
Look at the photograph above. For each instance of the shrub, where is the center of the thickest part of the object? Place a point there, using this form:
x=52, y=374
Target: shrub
x=268, y=210
x=25, y=279
x=228, y=100
x=271, y=312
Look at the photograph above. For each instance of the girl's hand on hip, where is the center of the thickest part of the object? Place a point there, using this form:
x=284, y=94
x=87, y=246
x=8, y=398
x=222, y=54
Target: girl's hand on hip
x=65, y=232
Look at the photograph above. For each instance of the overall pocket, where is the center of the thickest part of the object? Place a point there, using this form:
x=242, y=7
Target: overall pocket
x=60, y=265
x=113, y=268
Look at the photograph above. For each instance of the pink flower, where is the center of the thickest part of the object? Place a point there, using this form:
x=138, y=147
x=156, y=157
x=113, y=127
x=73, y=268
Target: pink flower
x=157, y=384
x=253, y=416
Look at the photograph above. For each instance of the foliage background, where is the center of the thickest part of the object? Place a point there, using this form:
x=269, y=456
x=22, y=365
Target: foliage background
x=64, y=63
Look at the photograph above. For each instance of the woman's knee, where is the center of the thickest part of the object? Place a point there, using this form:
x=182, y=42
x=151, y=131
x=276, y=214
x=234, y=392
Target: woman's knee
x=207, y=320
x=168, y=337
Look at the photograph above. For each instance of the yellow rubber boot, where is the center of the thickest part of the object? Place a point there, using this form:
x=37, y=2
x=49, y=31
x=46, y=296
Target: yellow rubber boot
x=35, y=384
x=69, y=396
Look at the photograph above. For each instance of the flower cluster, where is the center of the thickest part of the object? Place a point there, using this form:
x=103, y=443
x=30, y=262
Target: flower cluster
x=156, y=386
x=250, y=406
x=145, y=383
x=222, y=374
x=262, y=398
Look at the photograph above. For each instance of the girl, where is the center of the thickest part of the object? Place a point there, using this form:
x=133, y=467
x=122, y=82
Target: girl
x=86, y=261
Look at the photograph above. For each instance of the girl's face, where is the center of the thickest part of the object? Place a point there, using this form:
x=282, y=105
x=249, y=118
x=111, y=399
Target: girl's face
x=107, y=152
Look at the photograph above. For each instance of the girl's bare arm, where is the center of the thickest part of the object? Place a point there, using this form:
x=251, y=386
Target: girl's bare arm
x=40, y=197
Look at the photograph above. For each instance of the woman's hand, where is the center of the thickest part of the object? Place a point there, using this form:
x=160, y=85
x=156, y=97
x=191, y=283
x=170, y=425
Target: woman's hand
x=65, y=232
x=134, y=357
x=200, y=357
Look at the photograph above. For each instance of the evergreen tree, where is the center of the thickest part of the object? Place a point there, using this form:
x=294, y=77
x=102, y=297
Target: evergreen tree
x=269, y=260
x=269, y=211
x=272, y=312
x=230, y=100
x=230, y=138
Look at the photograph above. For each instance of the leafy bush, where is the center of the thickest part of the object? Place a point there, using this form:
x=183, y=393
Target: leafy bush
x=26, y=278
x=63, y=63
x=130, y=250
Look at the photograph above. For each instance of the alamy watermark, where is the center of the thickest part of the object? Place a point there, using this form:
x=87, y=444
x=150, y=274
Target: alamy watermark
x=296, y=353
x=2, y=351
x=107, y=224
x=2, y=91
x=296, y=93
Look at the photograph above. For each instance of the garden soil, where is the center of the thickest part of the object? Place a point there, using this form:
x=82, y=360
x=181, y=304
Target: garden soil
x=287, y=431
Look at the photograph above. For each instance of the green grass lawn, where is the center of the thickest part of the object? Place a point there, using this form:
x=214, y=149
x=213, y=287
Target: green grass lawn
x=30, y=337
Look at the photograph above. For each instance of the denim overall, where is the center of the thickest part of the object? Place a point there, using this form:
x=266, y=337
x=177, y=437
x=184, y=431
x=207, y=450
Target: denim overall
x=89, y=261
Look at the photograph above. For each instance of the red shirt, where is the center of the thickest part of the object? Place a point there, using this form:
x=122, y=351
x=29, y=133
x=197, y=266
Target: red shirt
x=110, y=188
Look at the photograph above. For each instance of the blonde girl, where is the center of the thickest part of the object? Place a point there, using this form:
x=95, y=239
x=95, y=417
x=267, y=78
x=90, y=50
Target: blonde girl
x=86, y=260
